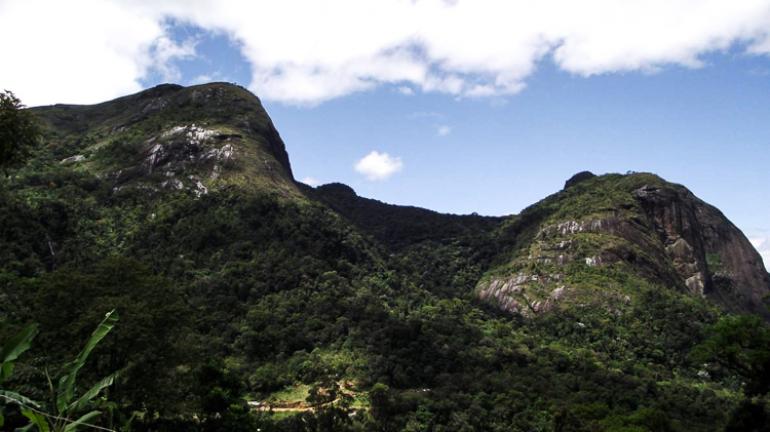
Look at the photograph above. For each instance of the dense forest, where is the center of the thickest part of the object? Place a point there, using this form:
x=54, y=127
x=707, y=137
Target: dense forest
x=240, y=300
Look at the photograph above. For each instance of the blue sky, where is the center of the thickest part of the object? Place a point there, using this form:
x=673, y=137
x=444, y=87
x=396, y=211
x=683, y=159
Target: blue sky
x=391, y=99
x=707, y=128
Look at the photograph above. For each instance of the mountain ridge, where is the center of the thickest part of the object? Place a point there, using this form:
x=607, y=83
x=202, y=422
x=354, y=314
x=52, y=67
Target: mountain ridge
x=183, y=155
x=587, y=311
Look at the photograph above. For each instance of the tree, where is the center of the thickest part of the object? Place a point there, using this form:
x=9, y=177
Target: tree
x=18, y=131
x=217, y=393
x=740, y=344
x=151, y=342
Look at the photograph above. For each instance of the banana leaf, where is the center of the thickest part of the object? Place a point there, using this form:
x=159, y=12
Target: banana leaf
x=66, y=387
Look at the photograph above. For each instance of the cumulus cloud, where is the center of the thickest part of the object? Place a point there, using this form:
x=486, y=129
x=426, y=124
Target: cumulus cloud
x=311, y=181
x=406, y=90
x=378, y=166
x=762, y=244
x=443, y=130
x=81, y=51
x=164, y=51
x=307, y=52
x=201, y=79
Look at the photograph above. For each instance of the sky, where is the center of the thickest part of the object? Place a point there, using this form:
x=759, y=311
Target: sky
x=454, y=105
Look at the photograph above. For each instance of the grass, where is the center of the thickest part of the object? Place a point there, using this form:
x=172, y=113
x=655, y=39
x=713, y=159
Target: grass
x=294, y=394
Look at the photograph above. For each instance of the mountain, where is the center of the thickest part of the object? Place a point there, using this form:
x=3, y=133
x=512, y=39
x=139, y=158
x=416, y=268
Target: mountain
x=622, y=302
x=172, y=137
x=599, y=231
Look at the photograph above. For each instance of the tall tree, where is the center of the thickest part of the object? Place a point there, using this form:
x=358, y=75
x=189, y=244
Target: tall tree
x=18, y=131
x=740, y=344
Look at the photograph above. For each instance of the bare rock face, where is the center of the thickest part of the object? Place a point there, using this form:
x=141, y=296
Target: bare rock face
x=673, y=219
x=710, y=253
x=525, y=294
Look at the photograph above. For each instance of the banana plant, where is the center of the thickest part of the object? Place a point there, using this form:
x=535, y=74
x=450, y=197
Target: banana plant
x=70, y=413
x=9, y=352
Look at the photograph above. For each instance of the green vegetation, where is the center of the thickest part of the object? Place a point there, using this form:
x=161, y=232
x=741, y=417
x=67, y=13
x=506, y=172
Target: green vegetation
x=9, y=353
x=740, y=344
x=66, y=412
x=18, y=132
x=266, y=305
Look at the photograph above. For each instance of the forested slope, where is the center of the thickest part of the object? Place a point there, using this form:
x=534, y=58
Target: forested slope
x=177, y=207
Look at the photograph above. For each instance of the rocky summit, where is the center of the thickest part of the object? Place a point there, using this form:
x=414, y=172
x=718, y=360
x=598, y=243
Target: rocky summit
x=172, y=138
x=249, y=301
x=638, y=225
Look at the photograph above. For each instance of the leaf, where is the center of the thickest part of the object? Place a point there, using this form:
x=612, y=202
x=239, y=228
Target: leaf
x=6, y=370
x=18, y=399
x=71, y=427
x=36, y=419
x=86, y=398
x=51, y=391
x=14, y=348
x=66, y=388
x=19, y=343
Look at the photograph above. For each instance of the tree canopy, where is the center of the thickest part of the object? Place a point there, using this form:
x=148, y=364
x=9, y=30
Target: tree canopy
x=18, y=131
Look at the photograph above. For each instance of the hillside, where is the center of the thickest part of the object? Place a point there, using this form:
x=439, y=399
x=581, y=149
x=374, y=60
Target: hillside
x=600, y=308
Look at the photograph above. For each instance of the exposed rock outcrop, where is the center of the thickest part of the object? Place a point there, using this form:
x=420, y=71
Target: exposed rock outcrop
x=523, y=293
x=636, y=223
x=710, y=253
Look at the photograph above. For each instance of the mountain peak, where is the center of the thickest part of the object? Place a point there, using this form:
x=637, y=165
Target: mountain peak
x=160, y=90
x=579, y=177
x=636, y=225
x=173, y=137
x=338, y=189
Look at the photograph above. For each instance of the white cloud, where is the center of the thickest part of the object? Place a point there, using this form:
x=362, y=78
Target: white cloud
x=201, y=79
x=378, y=166
x=431, y=115
x=443, y=130
x=164, y=51
x=81, y=51
x=762, y=244
x=311, y=181
x=208, y=77
x=307, y=51
x=406, y=90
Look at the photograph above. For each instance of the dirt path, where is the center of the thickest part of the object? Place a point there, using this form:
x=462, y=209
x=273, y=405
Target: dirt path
x=300, y=407
x=345, y=389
